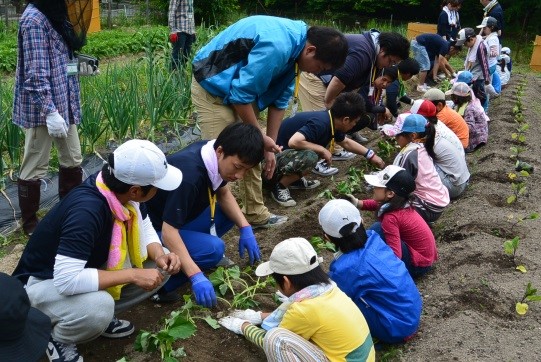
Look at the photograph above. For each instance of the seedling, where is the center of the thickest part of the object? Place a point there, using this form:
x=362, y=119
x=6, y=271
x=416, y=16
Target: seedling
x=516, y=151
x=520, y=134
x=177, y=326
x=352, y=183
x=386, y=148
x=242, y=286
x=327, y=194
x=532, y=216
x=320, y=244
x=530, y=295
x=518, y=185
x=510, y=248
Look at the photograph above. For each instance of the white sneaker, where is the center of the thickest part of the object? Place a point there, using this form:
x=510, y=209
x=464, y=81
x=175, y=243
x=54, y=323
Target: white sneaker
x=422, y=88
x=343, y=155
x=323, y=169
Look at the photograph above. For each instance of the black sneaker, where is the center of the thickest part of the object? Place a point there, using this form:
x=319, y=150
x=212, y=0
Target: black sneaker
x=118, y=328
x=169, y=297
x=62, y=352
x=304, y=184
x=282, y=196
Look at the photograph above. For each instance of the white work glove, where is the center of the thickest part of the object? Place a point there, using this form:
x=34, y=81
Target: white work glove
x=88, y=65
x=56, y=125
x=350, y=198
x=249, y=315
x=232, y=323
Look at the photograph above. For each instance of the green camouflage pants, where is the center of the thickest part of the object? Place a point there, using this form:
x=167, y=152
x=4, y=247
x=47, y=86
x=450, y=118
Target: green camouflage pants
x=293, y=162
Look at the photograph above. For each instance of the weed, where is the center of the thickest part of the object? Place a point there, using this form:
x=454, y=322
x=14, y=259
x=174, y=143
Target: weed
x=530, y=295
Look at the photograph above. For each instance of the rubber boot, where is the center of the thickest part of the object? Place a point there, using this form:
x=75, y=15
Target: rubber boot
x=68, y=178
x=29, y=194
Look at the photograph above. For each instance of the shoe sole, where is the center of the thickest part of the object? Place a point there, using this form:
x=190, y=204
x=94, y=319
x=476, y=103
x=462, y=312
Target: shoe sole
x=289, y=203
x=267, y=225
x=325, y=174
x=305, y=188
x=119, y=335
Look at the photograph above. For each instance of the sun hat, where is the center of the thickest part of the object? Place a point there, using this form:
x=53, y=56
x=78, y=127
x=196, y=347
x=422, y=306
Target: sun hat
x=292, y=256
x=424, y=107
x=336, y=214
x=488, y=21
x=142, y=163
x=434, y=94
x=465, y=76
x=395, y=178
x=392, y=130
x=24, y=330
x=460, y=89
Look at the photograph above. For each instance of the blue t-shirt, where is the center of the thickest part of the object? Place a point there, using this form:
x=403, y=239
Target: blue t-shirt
x=314, y=126
x=434, y=45
x=381, y=286
x=79, y=227
x=191, y=198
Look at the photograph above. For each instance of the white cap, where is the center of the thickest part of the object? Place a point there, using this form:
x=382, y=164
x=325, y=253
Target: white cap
x=290, y=257
x=336, y=214
x=392, y=130
x=506, y=50
x=142, y=163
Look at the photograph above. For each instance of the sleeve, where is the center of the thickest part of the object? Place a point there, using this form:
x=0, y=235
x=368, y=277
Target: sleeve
x=70, y=276
x=256, y=76
x=389, y=224
x=483, y=61
x=37, y=50
x=370, y=205
x=148, y=234
x=392, y=94
x=443, y=24
x=410, y=163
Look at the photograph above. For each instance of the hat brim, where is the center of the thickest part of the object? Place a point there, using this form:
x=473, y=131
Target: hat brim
x=480, y=26
x=460, y=42
x=373, y=180
x=171, y=180
x=263, y=269
x=33, y=342
x=449, y=92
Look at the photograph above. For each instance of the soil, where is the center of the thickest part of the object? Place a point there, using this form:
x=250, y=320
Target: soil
x=469, y=297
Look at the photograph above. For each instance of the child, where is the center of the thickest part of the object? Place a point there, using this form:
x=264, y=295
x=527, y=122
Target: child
x=507, y=51
x=445, y=149
x=374, y=96
x=476, y=62
x=431, y=195
x=402, y=228
x=315, y=322
x=396, y=91
x=449, y=20
x=474, y=117
x=369, y=272
x=503, y=69
x=304, y=138
x=489, y=28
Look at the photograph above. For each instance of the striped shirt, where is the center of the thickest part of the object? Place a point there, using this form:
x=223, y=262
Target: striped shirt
x=180, y=16
x=42, y=84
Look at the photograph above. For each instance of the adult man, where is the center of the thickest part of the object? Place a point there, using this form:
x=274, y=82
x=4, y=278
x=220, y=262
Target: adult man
x=494, y=9
x=368, y=52
x=193, y=217
x=431, y=52
x=251, y=66
x=96, y=254
x=182, y=30
x=46, y=102
x=305, y=137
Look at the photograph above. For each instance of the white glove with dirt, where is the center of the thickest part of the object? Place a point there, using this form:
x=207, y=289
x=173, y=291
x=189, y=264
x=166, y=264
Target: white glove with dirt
x=350, y=198
x=232, y=323
x=249, y=315
x=86, y=69
x=56, y=125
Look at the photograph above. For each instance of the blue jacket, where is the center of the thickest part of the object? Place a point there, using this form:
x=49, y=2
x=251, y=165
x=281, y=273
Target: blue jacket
x=380, y=285
x=252, y=60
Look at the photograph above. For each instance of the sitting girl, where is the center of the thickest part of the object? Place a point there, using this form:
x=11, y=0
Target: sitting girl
x=369, y=272
x=474, y=117
x=431, y=195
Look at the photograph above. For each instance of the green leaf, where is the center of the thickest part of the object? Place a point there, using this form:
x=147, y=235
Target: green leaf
x=508, y=247
x=524, y=173
x=170, y=359
x=534, y=298
x=223, y=289
x=521, y=268
x=186, y=330
x=217, y=277
x=234, y=272
x=521, y=308
x=511, y=199
x=212, y=322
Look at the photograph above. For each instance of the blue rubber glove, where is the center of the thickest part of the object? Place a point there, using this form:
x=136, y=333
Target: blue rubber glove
x=247, y=241
x=203, y=290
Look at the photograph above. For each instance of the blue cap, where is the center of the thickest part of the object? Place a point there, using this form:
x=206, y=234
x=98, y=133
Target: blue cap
x=466, y=77
x=414, y=123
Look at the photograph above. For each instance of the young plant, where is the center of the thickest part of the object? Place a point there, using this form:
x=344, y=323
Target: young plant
x=518, y=185
x=530, y=295
x=386, y=148
x=510, y=248
x=352, y=183
x=515, y=151
x=241, y=285
x=320, y=244
x=177, y=326
x=520, y=134
x=327, y=194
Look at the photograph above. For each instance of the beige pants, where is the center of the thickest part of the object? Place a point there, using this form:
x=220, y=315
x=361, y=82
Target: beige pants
x=37, y=151
x=311, y=93
x=213, y=116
